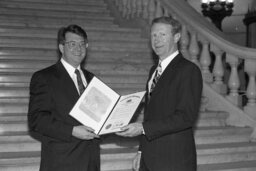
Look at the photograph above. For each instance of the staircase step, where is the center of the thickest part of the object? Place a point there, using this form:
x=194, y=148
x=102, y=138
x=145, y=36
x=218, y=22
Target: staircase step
x=14, y=100
x=20, y=167
x=13, y=108
x=94, y=15
x=131, y=69
x=231, y=166
x=53, y=6
x=12, y=137
x=8, y=94
x=50, y=54
x=129, y=152
x=108, y=79
x=50, y=22
x=221, y=148
x=221, y=130
x=134, y=35
x=218, y=121
x=30, y=161
x=223, y=139
x=226, y=157
x=21, y=71
x=26, y=143
x=25, y=85
x=18, y=118
x=212, y=114
x=13, y=126
x=121, y=46
x=6, y=147
x=47, y=43
x=100, y=65
x=95, y=2
x=44, y=23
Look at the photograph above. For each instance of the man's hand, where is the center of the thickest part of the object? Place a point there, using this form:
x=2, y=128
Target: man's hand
x=136, y=162
x=131, y=130
x=84, y=132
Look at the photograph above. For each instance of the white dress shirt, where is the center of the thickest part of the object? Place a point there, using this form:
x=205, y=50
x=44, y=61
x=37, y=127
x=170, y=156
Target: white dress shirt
x=71, y=71
x=164, y=64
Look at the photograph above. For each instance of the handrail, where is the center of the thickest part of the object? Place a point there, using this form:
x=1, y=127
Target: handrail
x=198, y=22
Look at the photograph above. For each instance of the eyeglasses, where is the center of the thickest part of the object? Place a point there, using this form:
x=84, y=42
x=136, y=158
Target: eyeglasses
x=74, y=44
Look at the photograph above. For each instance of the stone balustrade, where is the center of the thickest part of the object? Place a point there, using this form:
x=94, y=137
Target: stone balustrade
x=225, y=66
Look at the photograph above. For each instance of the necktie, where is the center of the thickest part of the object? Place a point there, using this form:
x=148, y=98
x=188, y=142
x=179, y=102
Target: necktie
x=156, y=77
x=79, y=82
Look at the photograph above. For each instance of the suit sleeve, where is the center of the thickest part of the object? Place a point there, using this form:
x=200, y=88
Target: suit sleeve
x=186, y=110
x=41, y=108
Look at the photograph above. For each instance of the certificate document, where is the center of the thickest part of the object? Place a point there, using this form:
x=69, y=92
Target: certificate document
x=104, y=110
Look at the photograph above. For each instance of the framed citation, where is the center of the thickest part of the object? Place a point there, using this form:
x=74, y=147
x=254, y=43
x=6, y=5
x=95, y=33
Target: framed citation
x=104, y=110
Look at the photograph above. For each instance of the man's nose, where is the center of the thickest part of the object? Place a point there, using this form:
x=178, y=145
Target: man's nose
x=157, y=39
x=78, y=47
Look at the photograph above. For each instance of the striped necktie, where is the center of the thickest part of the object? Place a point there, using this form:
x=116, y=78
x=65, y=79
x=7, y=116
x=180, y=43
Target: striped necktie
x=79, y=82
x=157, y=75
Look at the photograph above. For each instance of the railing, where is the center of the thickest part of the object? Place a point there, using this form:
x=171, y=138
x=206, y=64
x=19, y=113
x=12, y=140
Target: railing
x=201, y=42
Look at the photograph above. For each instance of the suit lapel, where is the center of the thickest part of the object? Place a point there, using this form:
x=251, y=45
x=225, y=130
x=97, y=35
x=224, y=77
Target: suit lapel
x=67, y=85
x=88, y=75
x=168, y=73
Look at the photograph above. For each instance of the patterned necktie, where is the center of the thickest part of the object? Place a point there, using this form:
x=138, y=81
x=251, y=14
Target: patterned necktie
x=79, y=82
x=156, y=77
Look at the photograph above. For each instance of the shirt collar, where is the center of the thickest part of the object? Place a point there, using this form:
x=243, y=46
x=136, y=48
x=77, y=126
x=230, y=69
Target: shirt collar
x=70, y=69
x=167, y=60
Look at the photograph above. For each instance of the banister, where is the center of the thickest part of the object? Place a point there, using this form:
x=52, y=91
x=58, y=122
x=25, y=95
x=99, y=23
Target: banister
x=201, y=25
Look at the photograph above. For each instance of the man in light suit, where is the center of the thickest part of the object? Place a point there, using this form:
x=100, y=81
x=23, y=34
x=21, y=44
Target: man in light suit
x=172, y=105
x=66, y=144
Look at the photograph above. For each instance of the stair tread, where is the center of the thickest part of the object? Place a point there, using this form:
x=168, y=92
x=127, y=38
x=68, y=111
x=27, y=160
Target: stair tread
x=101, y=14
x=89, y=28
x=225, y=145
x=52, y=41
x=57, y=1
x=229, y=166
x=82, y=6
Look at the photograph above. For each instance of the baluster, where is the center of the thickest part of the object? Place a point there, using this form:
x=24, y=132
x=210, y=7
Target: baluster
x=159, y=10
x=129, y=9
x=139, y=8
x=151, y=10
x=233, y=82
x=119, y=5
x=166, y=13
x=205, y=61
x=184, y=40
x=218, y=71
x=133, y=8
x=193, y=48
x=145, y=9
x=250, y=69
x=124, y=11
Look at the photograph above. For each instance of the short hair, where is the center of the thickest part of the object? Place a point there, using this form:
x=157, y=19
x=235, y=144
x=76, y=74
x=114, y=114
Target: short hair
x=176, y=26
x=72, y=29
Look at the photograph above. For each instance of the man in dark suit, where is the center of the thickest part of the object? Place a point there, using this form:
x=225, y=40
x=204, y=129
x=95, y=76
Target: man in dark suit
x=66, y=144
x=174, y=92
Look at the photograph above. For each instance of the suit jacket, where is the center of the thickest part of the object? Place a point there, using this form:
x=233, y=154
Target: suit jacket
x=170, y=114
x=52, y=96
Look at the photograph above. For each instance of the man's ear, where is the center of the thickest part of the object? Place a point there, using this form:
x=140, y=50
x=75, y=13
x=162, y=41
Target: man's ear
x=86, y=45
x=61, y=48
x=177, y=37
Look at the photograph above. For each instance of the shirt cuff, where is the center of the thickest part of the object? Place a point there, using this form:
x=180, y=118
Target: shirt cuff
x=143, y=132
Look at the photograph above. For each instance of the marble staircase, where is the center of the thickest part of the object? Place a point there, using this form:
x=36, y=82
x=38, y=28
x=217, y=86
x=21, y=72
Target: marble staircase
x=121, y=57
